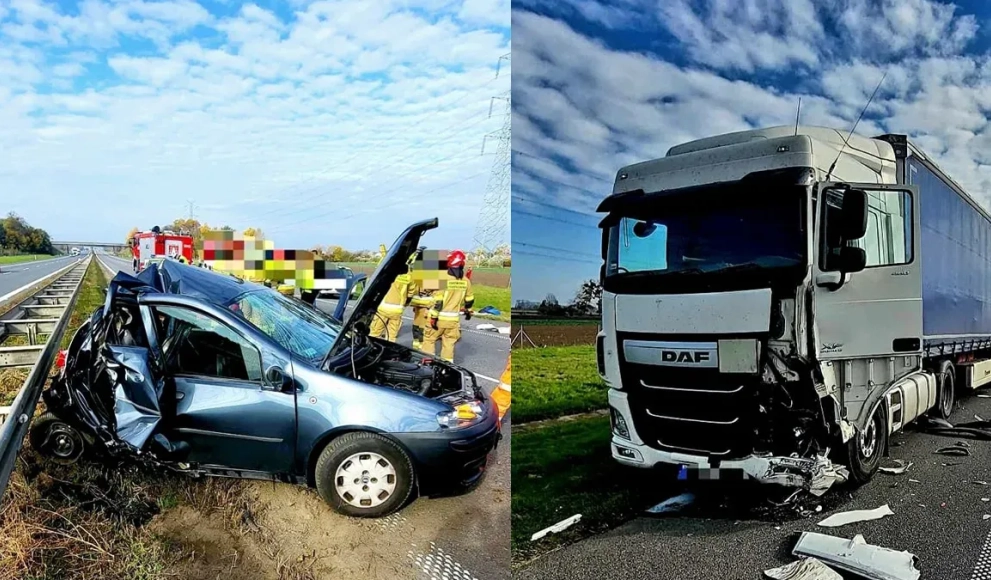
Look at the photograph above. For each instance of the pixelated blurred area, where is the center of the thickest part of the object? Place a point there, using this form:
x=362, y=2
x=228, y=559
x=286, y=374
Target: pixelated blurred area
x=430, y=270
x=258, y=260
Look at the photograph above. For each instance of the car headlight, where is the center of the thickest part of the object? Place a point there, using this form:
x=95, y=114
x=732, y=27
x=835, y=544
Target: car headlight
x=463, y=415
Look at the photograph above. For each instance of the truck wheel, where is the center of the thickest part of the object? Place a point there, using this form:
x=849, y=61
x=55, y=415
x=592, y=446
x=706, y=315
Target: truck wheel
x=865, y=449
x=56, y=439
x=364, y=475
x=946, y=392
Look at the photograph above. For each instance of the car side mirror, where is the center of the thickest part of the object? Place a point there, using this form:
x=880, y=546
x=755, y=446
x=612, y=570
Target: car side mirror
x=854, y=214
x=278, y=379
x=852, y=259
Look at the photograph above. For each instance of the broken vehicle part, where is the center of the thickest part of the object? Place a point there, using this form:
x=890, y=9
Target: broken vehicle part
x=844, y=518
x=673, y=504
x=953, y=450
x=858, y=557
x=804, y=569
x=556, y=528
x=899, y=469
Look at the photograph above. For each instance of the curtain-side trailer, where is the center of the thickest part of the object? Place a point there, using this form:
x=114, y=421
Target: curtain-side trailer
x=777, y=302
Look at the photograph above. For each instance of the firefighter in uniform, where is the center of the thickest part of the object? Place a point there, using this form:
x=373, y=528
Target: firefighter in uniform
x=445, y=315
x=389, y=316
x=421, y=304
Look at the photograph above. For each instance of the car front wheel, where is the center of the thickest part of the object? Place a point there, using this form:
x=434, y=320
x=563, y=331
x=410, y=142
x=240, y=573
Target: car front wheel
x=56, y=439
x=364, y=475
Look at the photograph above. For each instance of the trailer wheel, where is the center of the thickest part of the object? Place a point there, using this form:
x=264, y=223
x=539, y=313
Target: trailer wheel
x=865, y=449
x=946, y=393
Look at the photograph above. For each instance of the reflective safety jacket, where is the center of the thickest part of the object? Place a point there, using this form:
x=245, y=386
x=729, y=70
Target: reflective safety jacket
x=421, y=301
x=399, y=295
x=449, y=303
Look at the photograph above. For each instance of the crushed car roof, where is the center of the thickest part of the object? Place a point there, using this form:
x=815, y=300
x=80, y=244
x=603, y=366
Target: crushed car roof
x=171, y=277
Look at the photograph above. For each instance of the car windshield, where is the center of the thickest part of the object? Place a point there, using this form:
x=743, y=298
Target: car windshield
x=304, y=331
x=691, y=236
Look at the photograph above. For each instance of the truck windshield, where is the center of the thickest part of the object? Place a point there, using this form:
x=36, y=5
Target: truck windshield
x=304, y=331
x=729, y=231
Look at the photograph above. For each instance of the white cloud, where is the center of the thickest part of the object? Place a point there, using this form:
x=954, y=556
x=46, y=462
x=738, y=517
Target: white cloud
x=284, y=119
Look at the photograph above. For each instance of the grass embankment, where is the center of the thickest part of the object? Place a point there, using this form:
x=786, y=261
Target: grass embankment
x=492, y=296
x=564, y=467
x=86, y=520
x=23, y=258
x=556, y=381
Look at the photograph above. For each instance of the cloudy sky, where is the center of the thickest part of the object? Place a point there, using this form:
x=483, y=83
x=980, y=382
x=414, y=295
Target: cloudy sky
x=328, y=122
x=601, y=84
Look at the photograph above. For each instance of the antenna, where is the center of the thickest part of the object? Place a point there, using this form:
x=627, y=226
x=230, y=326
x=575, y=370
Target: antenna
x=833, y=166
x=798, y=115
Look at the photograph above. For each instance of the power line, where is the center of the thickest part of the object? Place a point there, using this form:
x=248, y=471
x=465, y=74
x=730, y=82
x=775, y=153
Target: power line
x=554, y=163
x=553, y=219
x=552, y=206
x=566, y=259
x=494, y=219
x=553, y=249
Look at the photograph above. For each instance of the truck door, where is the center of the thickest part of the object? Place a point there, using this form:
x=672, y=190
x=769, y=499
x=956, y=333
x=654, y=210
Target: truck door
x=878, y=310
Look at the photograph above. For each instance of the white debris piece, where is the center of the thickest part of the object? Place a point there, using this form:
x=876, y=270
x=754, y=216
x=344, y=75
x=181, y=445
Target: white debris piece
x=556, y=528
x=489, y=327
x=858, y=557
x=897, y=470
x=825, y=474
x=844, y=518
x=807, y=569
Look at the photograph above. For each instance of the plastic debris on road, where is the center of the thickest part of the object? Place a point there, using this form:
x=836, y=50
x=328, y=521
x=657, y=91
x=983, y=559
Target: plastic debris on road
x=556, y=528
x=807, y=569
x=673, y=504
x=858, y=557
x=844, y=518
x=826, y=474
x=901, y=468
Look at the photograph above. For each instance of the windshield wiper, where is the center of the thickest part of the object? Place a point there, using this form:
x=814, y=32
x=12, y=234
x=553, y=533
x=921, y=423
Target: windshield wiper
x=643, y=273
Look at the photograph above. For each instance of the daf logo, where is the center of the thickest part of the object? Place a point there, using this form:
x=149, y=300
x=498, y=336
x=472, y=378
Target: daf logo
x=684, y=356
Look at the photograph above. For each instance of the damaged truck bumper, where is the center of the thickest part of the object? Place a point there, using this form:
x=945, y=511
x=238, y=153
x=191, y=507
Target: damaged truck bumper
x=815, y=475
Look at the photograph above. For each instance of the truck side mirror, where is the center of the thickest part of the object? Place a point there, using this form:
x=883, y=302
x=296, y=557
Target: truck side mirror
x=854, y=214
x=852, y=259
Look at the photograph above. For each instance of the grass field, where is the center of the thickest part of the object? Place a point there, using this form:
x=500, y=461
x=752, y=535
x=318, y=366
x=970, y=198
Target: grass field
x=556, y=381
x=492, y=296
x=564, y=468
x=25, y=258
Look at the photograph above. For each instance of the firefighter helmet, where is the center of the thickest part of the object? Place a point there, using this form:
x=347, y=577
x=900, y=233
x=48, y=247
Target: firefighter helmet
x=456, y=259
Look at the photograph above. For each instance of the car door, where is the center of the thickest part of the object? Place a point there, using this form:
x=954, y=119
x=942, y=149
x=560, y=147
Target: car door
x=235, y=396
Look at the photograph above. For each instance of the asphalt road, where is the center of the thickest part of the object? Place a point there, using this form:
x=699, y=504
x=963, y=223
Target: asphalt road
x=13, y=277
x=939, y=517
x=471, y=530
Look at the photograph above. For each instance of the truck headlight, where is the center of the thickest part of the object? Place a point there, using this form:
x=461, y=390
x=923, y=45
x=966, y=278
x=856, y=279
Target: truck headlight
x=461, y=416
x=619, y=427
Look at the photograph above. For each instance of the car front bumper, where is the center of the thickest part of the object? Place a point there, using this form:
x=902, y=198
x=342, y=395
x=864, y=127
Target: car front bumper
x=453, y=460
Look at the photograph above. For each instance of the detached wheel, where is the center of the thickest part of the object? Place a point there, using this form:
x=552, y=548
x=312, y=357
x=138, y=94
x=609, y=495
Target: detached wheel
x=946, y=393
x=865, y=449
x=364, y=475
x=56, y=439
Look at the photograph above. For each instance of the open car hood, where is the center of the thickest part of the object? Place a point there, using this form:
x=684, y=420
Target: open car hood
x=393, y=264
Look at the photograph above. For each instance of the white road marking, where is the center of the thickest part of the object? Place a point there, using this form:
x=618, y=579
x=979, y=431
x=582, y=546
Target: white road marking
x=486, y=378
x=27, y=286
x=436, y=565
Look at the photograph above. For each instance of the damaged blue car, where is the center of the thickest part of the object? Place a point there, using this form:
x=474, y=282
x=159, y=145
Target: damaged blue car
x=206, y=374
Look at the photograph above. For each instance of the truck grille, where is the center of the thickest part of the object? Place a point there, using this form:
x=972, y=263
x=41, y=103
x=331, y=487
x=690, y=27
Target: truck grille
x=695, y=411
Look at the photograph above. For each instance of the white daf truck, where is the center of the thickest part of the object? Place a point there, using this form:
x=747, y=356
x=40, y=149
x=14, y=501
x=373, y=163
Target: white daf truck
x=777, y=302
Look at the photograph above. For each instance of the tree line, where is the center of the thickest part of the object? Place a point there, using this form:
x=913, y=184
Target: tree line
x=17, y=236
x=500, y=257
x=587, y=302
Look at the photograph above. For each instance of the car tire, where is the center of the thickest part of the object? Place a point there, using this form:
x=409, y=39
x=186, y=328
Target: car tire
x=343, y=457
x=946, y=394
x=866, y=448
x=56, y=439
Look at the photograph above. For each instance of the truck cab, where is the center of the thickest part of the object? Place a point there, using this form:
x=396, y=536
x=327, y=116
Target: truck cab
x=762, y=308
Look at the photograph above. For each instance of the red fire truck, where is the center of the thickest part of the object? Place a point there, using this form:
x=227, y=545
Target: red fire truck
x=155, y=243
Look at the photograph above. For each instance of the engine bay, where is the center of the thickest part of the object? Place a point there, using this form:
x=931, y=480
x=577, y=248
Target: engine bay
x=401, y=368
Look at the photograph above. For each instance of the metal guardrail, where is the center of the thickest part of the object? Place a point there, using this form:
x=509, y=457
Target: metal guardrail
x=46, y=312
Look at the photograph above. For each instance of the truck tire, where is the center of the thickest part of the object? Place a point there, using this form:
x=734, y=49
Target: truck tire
x=945, y=390
x=364, y=475
x=865, y=448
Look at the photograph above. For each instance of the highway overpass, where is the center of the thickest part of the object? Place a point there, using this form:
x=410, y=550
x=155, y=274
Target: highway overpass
x=107, y=247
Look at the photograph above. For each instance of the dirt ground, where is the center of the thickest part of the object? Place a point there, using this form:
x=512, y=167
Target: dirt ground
x=289, y=533
x=556, y=334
